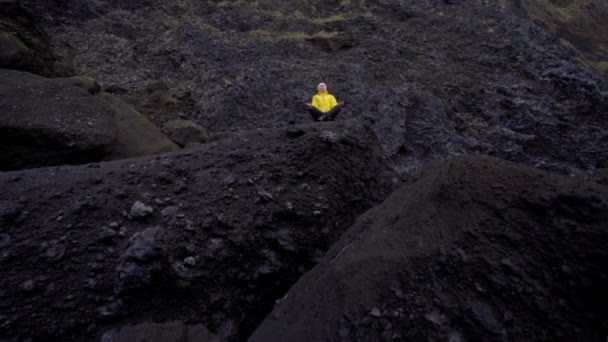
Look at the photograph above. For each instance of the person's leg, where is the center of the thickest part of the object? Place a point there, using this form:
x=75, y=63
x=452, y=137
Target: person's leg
x=334, y=112
x=315, y=113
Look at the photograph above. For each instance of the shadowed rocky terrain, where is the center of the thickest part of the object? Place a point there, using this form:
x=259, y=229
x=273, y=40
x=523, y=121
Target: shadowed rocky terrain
x=161, y=179
x=210, y=235
x=475, y=250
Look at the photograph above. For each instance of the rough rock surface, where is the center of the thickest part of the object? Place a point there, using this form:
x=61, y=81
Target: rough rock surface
x=184, y=132
x=21, y=44
x=167, y=332
x=208, y=238
x=477, y=249
x=233, y=224
x=137, y=136
x=50, y=122
x=56, y=121
x=599, y=176
x=88, y=83
x=433, y=78
x=580, y=24
x=12, y=51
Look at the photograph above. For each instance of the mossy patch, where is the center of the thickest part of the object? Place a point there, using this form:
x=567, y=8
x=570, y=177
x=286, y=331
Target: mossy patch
x=287, y=14
x=292, y=36
x=331, y=19
x=565, y=11
x=580, y=24
x=13, y=52
x=602, y=66
x=10, y=42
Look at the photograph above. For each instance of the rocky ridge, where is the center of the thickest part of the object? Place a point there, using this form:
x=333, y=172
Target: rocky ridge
x=210, y=235
x=477, y=249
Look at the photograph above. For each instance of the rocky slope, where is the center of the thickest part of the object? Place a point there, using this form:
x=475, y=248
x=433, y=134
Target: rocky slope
x=22, y=45
x=197, y=245
x=210, y=236
x=581, y=24
x=433, y=78
x=475, y=250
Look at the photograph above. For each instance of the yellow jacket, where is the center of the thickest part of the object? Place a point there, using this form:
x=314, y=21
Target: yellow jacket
x=324, y=101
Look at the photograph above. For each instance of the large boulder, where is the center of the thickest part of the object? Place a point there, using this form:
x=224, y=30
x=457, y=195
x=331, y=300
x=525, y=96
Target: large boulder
x=137, y=135
x=184, y=132
x=56, y=121
x=219, y=235
x=476, y=250
x=49, y=122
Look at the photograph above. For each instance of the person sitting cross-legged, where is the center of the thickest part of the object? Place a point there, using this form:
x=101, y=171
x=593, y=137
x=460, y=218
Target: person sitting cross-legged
x=324, y=106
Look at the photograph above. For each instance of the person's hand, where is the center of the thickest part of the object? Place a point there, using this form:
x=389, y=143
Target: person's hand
x=308, y=104
x=341, y=103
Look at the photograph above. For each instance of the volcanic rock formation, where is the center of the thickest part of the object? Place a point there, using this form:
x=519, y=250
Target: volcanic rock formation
x=433, y=78
x=210, y=235
x=200, y=244
x=477, y=249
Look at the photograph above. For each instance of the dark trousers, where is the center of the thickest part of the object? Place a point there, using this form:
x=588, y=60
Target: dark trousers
x=318, y=115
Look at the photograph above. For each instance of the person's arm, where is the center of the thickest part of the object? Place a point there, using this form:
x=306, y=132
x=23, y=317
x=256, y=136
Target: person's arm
x=341, y=103
x=315, y=101
x=332, y=101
